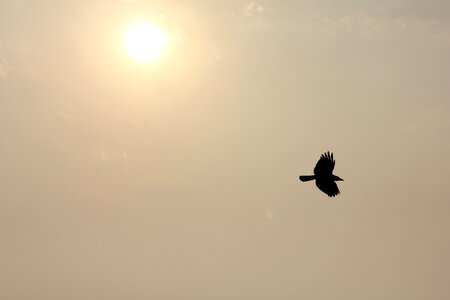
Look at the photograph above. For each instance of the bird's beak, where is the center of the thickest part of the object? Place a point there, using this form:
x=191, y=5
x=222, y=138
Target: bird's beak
x=340, y=179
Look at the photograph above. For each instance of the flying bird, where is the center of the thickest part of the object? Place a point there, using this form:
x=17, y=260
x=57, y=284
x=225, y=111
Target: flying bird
x=323, y=174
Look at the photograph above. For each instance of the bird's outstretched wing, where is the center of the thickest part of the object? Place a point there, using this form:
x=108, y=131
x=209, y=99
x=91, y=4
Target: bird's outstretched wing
x=325, y=165
x=329, y=187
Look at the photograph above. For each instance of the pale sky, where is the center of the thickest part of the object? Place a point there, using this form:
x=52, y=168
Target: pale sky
x=178, y=178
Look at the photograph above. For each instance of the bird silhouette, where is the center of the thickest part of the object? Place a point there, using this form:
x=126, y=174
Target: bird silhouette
x=323, y=174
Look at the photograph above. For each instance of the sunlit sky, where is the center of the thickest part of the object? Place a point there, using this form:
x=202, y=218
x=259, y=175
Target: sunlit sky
x=174, y=175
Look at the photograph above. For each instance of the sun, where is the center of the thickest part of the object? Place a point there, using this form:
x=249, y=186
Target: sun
x=145, y=41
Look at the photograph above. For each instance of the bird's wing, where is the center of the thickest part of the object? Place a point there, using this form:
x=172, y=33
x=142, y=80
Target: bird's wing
x=325, y=165
x=329, y=187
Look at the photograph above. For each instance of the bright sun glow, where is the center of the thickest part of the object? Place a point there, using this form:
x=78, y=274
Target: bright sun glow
x=145, y=42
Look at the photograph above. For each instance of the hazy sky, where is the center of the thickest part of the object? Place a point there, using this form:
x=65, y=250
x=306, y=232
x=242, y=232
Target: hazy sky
x=179, y=179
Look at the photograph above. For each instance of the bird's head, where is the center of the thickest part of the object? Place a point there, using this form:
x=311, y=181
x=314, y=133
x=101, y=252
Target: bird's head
x=337, y=178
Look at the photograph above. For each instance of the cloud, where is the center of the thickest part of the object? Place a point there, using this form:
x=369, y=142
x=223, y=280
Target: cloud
x=362, y=23
x=112, y=157
x=269, y=215
x=369, y=25
x=253, y=8
x=66, y=116
x=104, y=156
x=5, y=67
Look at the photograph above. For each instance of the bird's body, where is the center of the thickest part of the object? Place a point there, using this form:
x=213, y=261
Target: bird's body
x=323, y=174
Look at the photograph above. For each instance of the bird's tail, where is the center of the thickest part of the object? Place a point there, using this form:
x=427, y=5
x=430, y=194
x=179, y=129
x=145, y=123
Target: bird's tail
x=307, y=178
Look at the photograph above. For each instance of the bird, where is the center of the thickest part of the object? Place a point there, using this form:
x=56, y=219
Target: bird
x=323, y=174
